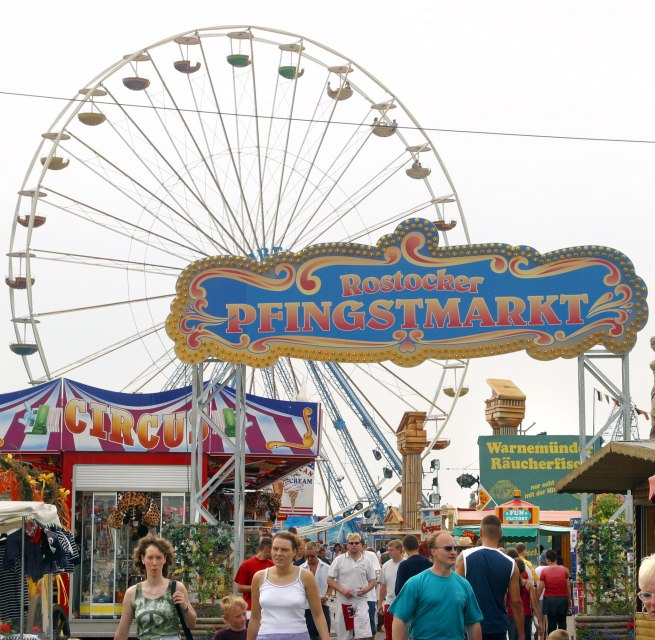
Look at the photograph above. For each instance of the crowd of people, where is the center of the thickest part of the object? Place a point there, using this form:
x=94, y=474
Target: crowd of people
x=437, y=589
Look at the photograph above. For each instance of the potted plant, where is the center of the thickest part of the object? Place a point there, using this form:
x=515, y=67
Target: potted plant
x=605, y=570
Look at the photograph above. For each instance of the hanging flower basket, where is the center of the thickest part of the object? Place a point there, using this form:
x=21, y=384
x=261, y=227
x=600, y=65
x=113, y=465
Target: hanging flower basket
x=202, y=559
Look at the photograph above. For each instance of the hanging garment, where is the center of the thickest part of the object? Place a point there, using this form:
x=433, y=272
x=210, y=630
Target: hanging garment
x=10, y=588
x=36, y=565
x=72, y=554
x=51, y=547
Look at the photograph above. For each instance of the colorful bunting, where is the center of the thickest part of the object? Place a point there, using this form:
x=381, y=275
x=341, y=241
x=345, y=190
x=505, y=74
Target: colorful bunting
x=617, y=403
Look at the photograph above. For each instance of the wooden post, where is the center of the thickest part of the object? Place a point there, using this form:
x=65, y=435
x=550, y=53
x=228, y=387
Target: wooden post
x=412, y=441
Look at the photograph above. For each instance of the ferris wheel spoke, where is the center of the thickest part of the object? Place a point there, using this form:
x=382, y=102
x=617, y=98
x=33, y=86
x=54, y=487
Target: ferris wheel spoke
x=108, y=263
x=243, y=202
x=228, y=143
x=338, y=156
x=261, y=167
x=116, y=346
x=402, y=383
x=194, y=192
x=228, y=208
x=388, y=388
x=286, y=147
x=402, y=215
x=251, y=385
x=159, y=154
x=325, y=124
x=147, y=375
x=311, y=122
x=131, y=179
x=359, y=196
x=367, y=189
x=149, y=234
x=158, y=179
x=104, y=305
x=266, y=148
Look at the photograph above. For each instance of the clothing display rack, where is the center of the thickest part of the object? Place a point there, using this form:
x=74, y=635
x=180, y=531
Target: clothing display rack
x=13, y=516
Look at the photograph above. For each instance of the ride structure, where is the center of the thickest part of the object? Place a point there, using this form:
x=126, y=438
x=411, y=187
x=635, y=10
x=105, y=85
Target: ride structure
x=240, y=141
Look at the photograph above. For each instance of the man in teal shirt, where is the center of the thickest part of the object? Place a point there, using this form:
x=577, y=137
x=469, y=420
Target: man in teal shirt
x=437, y=603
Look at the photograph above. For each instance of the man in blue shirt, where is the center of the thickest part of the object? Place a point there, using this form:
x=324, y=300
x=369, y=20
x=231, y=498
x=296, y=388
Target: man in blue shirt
x=437, y=603
x=413, y=564
x=493, y=575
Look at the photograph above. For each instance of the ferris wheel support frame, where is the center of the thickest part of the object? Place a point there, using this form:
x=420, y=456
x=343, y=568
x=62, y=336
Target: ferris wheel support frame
x=323, y=462
x=201, y=397
x=620, y=391
x=367, y=420
x=371, y=490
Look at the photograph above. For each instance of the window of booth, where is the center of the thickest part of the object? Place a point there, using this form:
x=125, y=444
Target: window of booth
x=106, y=571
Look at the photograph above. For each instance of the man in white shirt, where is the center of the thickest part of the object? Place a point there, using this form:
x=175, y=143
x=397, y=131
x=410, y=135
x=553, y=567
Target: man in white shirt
x=388, y=583
x=320, y=570
x=353, y=575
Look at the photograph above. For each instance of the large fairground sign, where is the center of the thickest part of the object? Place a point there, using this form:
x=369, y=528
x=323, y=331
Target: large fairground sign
x=406, y=299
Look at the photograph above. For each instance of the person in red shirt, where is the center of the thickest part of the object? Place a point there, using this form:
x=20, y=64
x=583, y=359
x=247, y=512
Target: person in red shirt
x=555, y=584
x=250, y=567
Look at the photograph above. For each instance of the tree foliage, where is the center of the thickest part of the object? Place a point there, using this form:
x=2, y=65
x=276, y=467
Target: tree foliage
x=605, y=506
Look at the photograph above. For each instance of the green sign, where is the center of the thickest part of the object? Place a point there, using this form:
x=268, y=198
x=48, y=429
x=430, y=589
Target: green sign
x=532, y=464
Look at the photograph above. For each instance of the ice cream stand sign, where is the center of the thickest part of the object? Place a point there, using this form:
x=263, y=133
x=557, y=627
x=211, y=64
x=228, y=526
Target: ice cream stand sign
x=296, y=492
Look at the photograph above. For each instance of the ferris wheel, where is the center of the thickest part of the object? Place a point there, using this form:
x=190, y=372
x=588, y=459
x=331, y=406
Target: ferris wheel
x=227, y=140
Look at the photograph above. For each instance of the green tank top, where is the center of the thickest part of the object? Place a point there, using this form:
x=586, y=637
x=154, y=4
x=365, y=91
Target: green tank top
x=155, y=617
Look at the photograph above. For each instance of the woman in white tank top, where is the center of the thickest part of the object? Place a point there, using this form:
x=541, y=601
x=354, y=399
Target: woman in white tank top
x=278, y=596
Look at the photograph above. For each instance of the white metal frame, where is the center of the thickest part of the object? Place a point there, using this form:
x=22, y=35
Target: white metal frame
x=587, y=364
x=201, y=397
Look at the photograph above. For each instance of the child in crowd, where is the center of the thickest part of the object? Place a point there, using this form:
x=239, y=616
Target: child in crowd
x=558, y=634
x=234, y=614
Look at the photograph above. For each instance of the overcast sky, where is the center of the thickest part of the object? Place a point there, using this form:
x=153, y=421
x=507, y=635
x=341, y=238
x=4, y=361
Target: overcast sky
x=555, y=68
